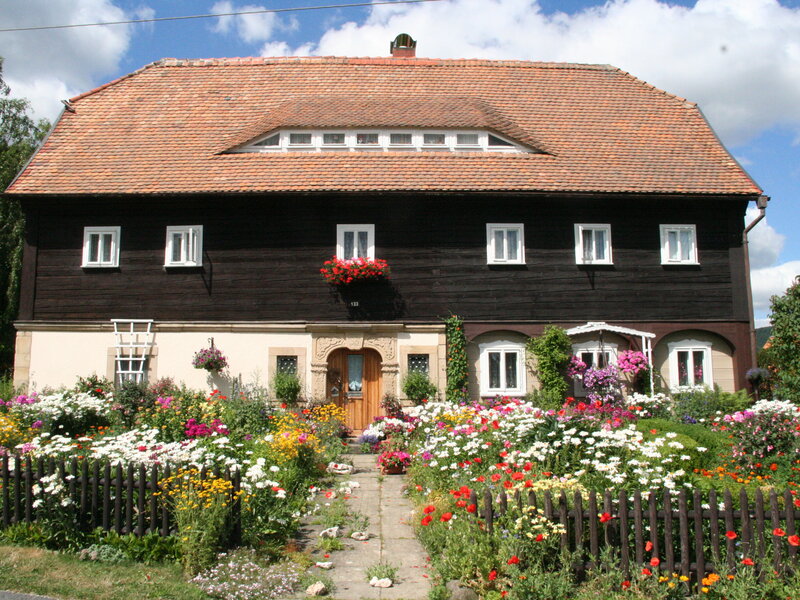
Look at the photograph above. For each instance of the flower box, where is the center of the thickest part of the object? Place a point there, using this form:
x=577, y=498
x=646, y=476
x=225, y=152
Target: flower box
x=338, y=271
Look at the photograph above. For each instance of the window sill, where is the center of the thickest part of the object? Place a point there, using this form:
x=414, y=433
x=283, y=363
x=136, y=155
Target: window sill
x=100, y=267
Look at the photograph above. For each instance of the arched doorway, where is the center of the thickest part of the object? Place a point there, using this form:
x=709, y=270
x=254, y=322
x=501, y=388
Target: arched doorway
x=354, y=383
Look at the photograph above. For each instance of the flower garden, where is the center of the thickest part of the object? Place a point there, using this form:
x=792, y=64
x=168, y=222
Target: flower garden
x=233, y=471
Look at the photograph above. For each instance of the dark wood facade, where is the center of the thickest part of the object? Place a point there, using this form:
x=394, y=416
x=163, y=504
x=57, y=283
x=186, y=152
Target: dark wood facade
x=262, y=256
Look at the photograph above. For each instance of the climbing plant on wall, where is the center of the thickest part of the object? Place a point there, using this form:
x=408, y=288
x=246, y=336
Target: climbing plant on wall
x=552, y=350
x=457, y=371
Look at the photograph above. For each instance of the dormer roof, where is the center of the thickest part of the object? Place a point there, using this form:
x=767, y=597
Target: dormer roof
x=171, y=126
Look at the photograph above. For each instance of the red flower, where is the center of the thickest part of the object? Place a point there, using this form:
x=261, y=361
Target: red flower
x=429, y=509
x=626, y=584
x=794, y=540
x=461, y=503
x=748, y=561
x=492, y=575
x=773, y=467
x=508, y=485
x=427, y=520
x=142, y=448
x=446, y=517
x=655, y=561
x=779, y=532
x=646, y=572
x=496, y=477
x=605, y=517
x=797, y=502
x=648, y=546
x=514, y=560
x=471, y=508
x=731, y=535
x=539, y=537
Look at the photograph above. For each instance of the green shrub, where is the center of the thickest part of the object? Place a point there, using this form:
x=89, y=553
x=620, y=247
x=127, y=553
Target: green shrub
x=286, y=387
x=149, y=548
x=417, y=387
x=457, y=370
x=545, y=399
x=695, y=404
x=131, y=397
x=691, y=436
x=552, y=351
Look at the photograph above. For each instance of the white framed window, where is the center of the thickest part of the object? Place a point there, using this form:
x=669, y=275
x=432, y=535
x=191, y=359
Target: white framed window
x=593, y=244
x=184, y=246
x=505, y=243
x=594, y=355
x=690, y=363
x=355, y=241
x=678, y=245
x=100, y=247
x=502, y=365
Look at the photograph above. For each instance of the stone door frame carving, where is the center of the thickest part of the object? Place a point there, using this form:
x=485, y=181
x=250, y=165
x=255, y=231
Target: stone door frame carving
x=323, y=344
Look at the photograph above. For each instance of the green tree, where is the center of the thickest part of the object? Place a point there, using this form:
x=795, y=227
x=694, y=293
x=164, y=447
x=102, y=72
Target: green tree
x=19, y=137
x=784, y=352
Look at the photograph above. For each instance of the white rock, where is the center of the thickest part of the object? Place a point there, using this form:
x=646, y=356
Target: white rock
x=340, y=468
x=332, y=532
x=316, y=589
x=360, y=535
x=381, y=583
x=325, y=565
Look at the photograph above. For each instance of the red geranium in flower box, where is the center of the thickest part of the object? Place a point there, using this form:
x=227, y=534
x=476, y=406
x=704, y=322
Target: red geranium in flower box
x=339, y=271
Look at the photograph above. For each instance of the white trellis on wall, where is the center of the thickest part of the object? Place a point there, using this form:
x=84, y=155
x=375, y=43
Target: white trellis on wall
x=133, y=339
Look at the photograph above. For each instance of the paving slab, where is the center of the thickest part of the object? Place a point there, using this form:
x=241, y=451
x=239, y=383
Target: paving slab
x=382, y=499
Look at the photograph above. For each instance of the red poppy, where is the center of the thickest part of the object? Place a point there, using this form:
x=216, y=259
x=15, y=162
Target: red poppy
x=446, y=517
x=655, y=561
x=646, y=572
x=797, y=502
x=514, y=560
x=492, y=575
x=605, y=517
x=773, y=467
x=427, y=520
x=496, y=477
x=779, y=532
x=626, y=584
x=648, y=546
x=461, y=503
x=471, y=508
x=539, y=537
x=731, y=535
x=748, y=561
x=429, y=509
x=508, y=485
x=794, y=540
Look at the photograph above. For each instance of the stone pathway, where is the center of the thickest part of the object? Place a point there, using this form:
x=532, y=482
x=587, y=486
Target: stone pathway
x=391, y=541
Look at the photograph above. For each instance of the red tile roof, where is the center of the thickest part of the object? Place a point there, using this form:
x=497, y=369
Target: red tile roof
x=166, y=127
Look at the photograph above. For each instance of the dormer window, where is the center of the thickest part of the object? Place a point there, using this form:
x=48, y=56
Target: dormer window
x=384, y=140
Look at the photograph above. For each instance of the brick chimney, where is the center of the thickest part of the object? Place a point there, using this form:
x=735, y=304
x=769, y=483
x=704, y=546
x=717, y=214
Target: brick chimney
x=403, y=46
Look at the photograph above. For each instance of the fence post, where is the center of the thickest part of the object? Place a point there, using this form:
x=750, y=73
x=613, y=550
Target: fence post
x=638, y=528
x=154, y=496
x=699, y=556
x=29, y=490
x=140, y=500
x=578, y=521
x=118, y=499
x=488, y=513
x=730, y=545
x=652, y=513
x=594, y=547
x=713, y=510
x=748, y=539
x=669, y=550
x=777, y=542
x=237, y=507
x=683, y=532
x=788, y=511
x=6, y=492
x=625, y=558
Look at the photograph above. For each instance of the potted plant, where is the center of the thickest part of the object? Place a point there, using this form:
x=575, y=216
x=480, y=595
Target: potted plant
x=338, y=271
x=394, y=462
x=211, y=359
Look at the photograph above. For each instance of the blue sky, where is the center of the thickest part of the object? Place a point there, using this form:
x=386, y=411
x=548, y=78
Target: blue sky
x=738, y=59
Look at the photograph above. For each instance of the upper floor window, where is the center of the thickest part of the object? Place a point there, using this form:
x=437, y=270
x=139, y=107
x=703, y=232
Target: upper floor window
x=101, y=246
x=678, y=245
x=593, y=244
x=184, y=246
x=502, y=368
x=505, y=243
x=383, y=140
x=690, y=363
x=355, y=241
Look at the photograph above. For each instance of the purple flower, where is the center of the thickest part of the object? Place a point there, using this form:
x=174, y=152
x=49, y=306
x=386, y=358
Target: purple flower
x=36, y=425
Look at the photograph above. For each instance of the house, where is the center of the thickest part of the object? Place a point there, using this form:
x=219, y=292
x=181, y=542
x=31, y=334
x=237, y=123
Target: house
x=196, y=200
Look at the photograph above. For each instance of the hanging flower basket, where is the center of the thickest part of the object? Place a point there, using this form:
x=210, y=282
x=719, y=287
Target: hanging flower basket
x=211, y=359
x=338, y=271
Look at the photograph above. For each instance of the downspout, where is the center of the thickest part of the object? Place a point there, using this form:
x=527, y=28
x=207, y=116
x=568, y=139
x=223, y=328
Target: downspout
x=761, y=204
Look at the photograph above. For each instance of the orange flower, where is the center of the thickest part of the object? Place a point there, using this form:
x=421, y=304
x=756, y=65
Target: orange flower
x=748, y=561
x=655, y=561
x=794, y=540
x=779, y=532
x=731, y=535
x=648, y=546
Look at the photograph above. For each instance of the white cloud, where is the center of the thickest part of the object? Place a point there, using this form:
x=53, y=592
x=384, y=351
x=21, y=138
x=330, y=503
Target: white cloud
x=47, y=66
x=772, y=281
x=739, y=59
x=765, y=243
x=250, y=28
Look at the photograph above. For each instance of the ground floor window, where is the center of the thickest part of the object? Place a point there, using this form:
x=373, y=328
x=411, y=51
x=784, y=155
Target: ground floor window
x=502, y=368
x=287, y=364
x=690, y=363
x=595, y=355
x=419, y=363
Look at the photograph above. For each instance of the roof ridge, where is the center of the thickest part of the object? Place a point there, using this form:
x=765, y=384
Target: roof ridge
x=380, y=60
x=115, y=81
x=687, y=103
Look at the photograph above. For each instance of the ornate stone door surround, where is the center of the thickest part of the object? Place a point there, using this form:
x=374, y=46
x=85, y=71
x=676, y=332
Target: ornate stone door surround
x=381, y=338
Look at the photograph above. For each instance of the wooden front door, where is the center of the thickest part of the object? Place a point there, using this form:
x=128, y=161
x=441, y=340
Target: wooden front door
x=354, y=382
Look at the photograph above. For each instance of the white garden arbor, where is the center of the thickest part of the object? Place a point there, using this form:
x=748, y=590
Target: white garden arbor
x=600, y=326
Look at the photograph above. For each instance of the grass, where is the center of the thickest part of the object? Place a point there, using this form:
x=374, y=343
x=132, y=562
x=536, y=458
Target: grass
x=63, y=576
